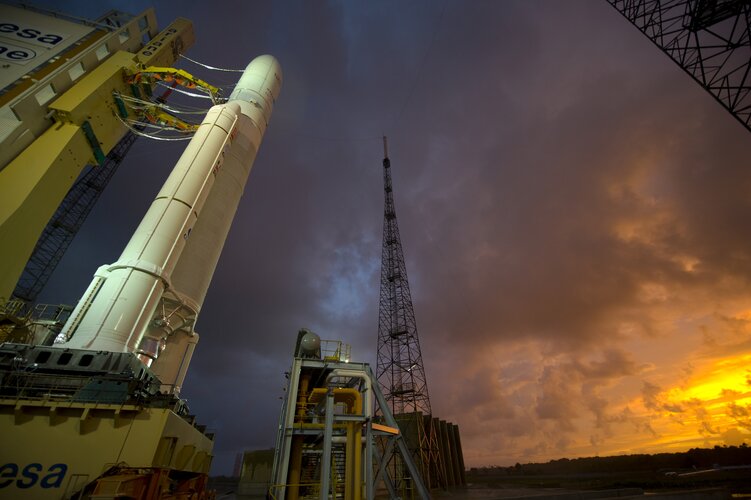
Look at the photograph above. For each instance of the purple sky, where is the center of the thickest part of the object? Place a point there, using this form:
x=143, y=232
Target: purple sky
x=573, y=208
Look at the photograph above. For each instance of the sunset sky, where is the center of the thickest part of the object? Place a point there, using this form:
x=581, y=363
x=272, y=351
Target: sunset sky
x=574, y=212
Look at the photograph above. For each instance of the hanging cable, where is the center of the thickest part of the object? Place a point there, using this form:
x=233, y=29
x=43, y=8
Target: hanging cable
x=191, y=94
x=174, y=76
x=141, y=104
x=159, y=128
x=212, y=67
x=420, y=69
x=151, y=136
x=155, y=114
x=184, y=111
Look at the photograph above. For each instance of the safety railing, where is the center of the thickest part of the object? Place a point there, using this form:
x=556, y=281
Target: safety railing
x=336, y=350
x=40, y=312
x=17, y=308
x=21, y=317
x=25, y=385
x=59, y=313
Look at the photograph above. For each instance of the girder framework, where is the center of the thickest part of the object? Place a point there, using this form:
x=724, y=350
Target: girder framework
x=68, y=219
x=399, y=368
x=709, y=39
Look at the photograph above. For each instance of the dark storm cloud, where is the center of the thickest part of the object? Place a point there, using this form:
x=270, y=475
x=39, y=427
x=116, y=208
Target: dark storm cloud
x=562, y=190
x=534, y=244
x=565, y=386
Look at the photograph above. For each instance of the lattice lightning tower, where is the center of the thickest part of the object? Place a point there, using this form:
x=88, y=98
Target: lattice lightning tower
x=399, y=368
x=709, y=39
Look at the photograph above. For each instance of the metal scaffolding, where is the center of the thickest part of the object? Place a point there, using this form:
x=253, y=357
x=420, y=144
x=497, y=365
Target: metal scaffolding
x=68, y=219
x=709, y=39
x=328, y=446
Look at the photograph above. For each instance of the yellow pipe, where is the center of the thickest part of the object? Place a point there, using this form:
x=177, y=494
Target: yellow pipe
x=295, y=462
x=349, y=463
x=357, y=450
x=349, y=396
x=302, y=397
x=357, y=445
x=312, y=425
x=353, y=461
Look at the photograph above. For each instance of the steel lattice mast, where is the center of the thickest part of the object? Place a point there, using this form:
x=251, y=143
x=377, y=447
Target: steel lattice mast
x=68, y=219
x=709, y=39
x=399, y=369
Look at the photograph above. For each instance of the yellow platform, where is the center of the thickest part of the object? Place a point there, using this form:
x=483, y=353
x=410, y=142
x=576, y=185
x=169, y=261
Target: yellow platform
x=51, y=449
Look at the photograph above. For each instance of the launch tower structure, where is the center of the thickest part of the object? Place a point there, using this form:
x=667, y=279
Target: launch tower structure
x=399, y=368
x=60, y=82
x=709, y=39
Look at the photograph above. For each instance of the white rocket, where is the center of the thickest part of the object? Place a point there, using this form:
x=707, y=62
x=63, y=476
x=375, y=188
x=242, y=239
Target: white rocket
x=148, y=301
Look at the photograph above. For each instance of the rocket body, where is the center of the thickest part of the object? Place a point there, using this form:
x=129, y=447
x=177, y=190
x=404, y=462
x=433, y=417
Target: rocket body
x=150, y=298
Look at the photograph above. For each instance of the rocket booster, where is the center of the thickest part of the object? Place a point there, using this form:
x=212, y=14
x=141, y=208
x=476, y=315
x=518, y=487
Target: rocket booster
x=148, y=301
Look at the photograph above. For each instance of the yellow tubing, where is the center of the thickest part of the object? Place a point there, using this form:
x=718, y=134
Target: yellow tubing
x=295, y=462
x=353, y=462
x=349, y=396
x=349, y=463
x=302, y=396
x=357, y=451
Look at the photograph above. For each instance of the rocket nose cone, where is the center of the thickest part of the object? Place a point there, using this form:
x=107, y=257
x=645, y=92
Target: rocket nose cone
x=261, y=78
x=269, y=65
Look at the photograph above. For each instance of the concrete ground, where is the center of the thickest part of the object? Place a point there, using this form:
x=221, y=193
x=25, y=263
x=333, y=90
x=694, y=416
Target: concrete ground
x=226, y=489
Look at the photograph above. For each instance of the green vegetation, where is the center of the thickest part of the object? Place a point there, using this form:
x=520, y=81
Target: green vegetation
x=720, y=466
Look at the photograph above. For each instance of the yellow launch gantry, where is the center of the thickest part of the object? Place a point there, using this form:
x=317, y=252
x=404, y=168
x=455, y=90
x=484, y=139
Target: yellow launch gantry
x=94, y=410
x=63, y=115
x=58, y=113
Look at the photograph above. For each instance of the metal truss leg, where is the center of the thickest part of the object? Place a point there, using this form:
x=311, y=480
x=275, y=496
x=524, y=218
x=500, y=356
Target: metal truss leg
x=328, y=432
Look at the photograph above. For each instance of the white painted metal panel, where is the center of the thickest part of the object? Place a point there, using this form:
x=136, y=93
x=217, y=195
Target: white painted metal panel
x=28, y=39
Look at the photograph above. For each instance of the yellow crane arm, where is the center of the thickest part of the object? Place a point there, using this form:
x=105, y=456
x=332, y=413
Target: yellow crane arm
x=87, y=127
x=159, y=117
x=31, y=188
x=179, y=76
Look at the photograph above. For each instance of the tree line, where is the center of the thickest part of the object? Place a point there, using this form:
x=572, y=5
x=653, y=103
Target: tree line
x=693, y=459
